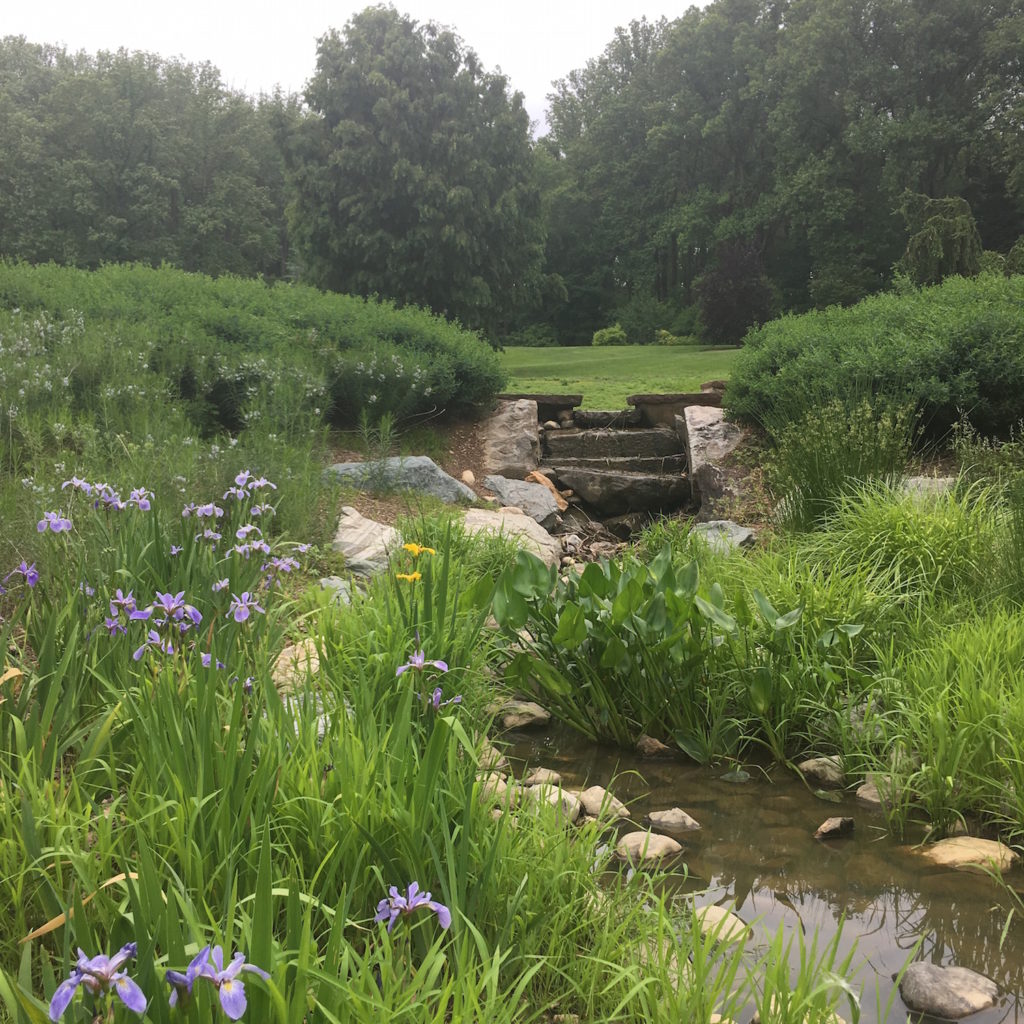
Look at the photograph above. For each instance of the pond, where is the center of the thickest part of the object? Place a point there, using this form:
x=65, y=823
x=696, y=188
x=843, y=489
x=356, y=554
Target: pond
x=755, y=853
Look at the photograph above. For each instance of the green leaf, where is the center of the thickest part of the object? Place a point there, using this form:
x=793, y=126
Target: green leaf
x=571, y=630
x=829, y=795
x=715, y=614
x=765, y=606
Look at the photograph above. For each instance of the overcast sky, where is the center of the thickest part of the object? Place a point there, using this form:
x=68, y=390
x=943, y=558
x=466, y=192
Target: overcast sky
x=258, y=44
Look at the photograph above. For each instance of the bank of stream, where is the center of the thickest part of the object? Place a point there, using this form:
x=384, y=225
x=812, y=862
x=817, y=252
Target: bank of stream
x=755, y=853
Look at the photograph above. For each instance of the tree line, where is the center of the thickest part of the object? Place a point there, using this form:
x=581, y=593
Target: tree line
x=700, y=175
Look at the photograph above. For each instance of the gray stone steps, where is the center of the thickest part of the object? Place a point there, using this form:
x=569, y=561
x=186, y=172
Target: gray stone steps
x=615, y=444
x=669, y=464
x=614, y=492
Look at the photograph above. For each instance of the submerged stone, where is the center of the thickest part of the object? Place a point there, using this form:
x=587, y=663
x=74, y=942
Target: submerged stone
x=834, y=828
x=950, y=992
x=675, y=819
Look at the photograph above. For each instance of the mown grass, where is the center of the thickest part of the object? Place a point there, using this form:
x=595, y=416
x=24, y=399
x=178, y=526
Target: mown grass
x=607, y=376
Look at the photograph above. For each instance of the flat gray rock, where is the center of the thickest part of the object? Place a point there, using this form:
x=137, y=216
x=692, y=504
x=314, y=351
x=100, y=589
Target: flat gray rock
x=723, y=536
x=708, y=439
x=535, y=500
x=341, y=590
x=512, y=439
x=950, y=992
x=406, y=473
x=365, y=543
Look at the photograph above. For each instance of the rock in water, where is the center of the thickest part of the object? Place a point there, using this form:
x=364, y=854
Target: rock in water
x=599, y=803
x=512, y=439
x=646, y=847
x=834, y=828
x=543, y=777
x=823, y=771
x=673, y=820
x=721, y=924
x=364, y=543
x=521, y=714
x=966, y=853
x=950, y=992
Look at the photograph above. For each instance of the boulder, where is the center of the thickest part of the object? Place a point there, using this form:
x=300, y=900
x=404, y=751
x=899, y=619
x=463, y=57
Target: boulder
x=949, y=992
x=365, y=543
x=566, y=803
x=646, y=847
x=523, y=530
x=928, y=486
x=708, y=440
x=295, y=664
x=534, y=499
x=823, y=771
x=511, y=439
x=492, y=785
x=965, y=853
x=417, y=473
x=675, y=819
x=490, y=758
x=537, y=477
x=468, y=477
x=341, y=590
x=551, y=425
x=521, y=714
x=599, y=803
x=877, y=791
x=723, y=536
x=723, y=925
x=834, y=828
x=542, y=777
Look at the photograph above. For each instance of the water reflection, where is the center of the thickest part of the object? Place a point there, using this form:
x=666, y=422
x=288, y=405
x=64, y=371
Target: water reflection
x=756, y=850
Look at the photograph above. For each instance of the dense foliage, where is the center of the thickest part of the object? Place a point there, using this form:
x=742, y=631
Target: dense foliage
x=789, y=127
x=134, y=157
x=414, y=175
x=954, y=348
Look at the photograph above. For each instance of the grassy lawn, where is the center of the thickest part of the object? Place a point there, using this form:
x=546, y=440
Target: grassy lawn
x=606, y=376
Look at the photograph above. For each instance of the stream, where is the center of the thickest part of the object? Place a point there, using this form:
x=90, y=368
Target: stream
x=756, y=854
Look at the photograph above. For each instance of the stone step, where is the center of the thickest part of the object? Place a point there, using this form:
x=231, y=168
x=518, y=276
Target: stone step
x=613, y=492
x=670, y=464
x=613, y=444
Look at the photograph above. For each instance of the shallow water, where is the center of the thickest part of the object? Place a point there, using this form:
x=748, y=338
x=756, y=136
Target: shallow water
x=756, y=850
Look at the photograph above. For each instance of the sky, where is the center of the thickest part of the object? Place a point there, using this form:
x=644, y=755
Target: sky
x=257, y=44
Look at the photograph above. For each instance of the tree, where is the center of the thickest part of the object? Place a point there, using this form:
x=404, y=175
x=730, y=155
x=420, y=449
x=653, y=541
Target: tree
x=943, y=241
x=414, y=177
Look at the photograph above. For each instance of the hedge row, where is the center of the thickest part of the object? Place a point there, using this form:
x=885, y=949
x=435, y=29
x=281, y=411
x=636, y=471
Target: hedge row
x=955, y=347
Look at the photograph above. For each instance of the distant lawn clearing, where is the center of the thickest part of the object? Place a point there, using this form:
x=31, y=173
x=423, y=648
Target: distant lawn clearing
x=606, y=376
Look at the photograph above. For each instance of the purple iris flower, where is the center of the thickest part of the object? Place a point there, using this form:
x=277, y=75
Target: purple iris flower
x=208, y=534
x=208, y=660
x=140, y=499
x=435, y=699
x=122, y=601
x=221, y=585
x=418, y=662
x=262, y=546
x=188, y=510
x=181, y=984
x=235, y=492
x=259, y=484
x=230, y=989
x=243, y=478
x=242, y=549
x=240, y=607
x=53, y=521
x=243, y=531
x=209, y=511
x=100, y=974
x=302, y=548
x=79, y=485
x=84, y=588
x=395, y=905
x=28, y=571
x=109, y=497
x=262, y=509
x=153, y=639
x=175, y=550
x=114, y=627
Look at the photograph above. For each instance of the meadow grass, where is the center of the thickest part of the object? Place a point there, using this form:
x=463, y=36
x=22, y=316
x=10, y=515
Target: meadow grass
x=607, y=376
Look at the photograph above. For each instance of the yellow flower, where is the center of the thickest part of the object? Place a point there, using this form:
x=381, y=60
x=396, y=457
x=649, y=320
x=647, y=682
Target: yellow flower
x=417, y=549
x=412, y=577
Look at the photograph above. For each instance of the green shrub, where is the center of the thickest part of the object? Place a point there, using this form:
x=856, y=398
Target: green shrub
x=956, y=346
x=613, y=335
x=834, y=447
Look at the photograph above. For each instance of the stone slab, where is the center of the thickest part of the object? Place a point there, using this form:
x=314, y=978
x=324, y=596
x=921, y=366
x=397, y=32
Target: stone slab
x=520, y=528
x=512, y=439
x=406, y=473
x=536, y=500
x=365, y=544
